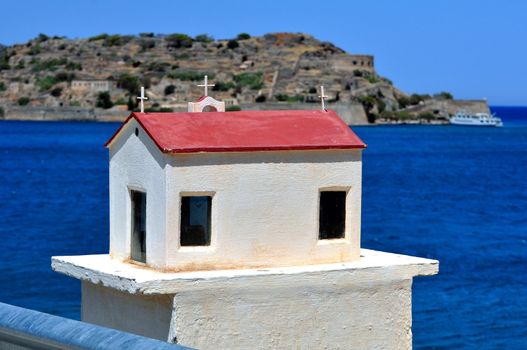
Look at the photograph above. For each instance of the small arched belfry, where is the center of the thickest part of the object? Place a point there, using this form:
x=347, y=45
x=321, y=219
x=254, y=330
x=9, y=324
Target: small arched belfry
x=241, y=230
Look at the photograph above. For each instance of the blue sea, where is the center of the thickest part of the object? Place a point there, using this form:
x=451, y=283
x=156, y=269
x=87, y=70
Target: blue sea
x=456, y=194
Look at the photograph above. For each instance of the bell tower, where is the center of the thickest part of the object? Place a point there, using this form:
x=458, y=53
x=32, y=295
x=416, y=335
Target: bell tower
x=206, y=103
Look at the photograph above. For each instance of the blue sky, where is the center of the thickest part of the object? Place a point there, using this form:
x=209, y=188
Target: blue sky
x=473, y=49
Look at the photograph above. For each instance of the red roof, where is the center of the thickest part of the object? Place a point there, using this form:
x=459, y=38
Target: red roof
x=245, y=131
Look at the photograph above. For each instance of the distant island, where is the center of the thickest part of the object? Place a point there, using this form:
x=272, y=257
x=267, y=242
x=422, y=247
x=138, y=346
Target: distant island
x=98, y=78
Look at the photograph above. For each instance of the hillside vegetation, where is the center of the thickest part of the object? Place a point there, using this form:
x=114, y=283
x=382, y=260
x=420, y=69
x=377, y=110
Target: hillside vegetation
x=277, y=67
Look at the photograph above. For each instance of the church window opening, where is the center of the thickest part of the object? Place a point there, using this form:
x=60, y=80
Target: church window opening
x=332, y=215
x=195, y=220
x=138, y=211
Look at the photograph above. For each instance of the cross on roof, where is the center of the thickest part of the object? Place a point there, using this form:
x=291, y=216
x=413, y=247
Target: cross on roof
x=141, y=99
x=323, y=98
x=206, y=85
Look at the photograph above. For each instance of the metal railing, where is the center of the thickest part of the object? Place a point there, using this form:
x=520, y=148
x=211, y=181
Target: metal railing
x=28, y=329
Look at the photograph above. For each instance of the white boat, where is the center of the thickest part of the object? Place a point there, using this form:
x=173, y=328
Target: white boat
x=475, y=119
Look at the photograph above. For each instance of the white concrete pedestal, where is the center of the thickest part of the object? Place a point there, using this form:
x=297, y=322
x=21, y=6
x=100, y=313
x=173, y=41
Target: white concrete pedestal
x=366, y=304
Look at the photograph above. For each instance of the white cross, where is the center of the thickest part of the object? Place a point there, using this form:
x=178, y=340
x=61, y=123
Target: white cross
x=323, y=98
x=141, y=99
x=206, y=85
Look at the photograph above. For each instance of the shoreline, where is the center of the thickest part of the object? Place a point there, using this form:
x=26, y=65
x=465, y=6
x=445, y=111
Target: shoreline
x=122, y=119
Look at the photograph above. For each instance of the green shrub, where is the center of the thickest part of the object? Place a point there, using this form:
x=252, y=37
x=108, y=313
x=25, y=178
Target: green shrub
x=34, y=50
x=372, y=78
x=403, y=116
x=170, y=89
x=288, y=98
x=21, y=64
x=189, y=75
x=41, y=38
x=252, y=80
x=56, y=92
x=232, y=44
x=48, y=65
x=179, y=40
x=223, y=86
x=243, y=36
x=132, y=103
x=444, y=95
x=4, y=60
x=2, y=86
x=104, y=100
x=204, y=38
x=369, y=76
x=75, y=104
x=128, y=82
x=64, y=76
x=368, y=102
x=147, y=44
x=2, y=112
x=73, y=66
x=146, y=35
x=45, y=83
x=281, y=97
x=98, y=37
x=117, y=40
x=23, y=101
x=159, y=110
x=183, y=56
x=234, y=108
x=156, y=66
x=403, y=101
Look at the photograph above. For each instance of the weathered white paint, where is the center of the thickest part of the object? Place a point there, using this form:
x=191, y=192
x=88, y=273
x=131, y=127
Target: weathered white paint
x=136, y=163
x=365, y=304
x=146, y=315
x=264, y=209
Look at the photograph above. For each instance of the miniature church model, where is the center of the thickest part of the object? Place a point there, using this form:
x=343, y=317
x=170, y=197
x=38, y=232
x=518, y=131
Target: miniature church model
x=241, y=230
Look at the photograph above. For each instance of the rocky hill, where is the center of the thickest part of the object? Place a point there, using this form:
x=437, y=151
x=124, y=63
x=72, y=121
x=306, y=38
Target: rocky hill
x=279, y=69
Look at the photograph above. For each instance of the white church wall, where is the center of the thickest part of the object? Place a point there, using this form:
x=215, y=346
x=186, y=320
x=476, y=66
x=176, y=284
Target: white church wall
x=264, y=208
x=137, y=164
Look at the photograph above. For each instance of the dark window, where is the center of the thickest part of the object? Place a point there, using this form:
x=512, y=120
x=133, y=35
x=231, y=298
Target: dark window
x=138, y=209
x=209, y=109
x=332, y=220
x=195, y=220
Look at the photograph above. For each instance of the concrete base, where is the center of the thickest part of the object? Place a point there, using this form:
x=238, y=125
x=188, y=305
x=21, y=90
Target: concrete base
x=361, y=305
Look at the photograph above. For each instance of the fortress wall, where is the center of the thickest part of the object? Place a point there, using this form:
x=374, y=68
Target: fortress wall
x=351, y=113
x=63, y=113
x=349, y=63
